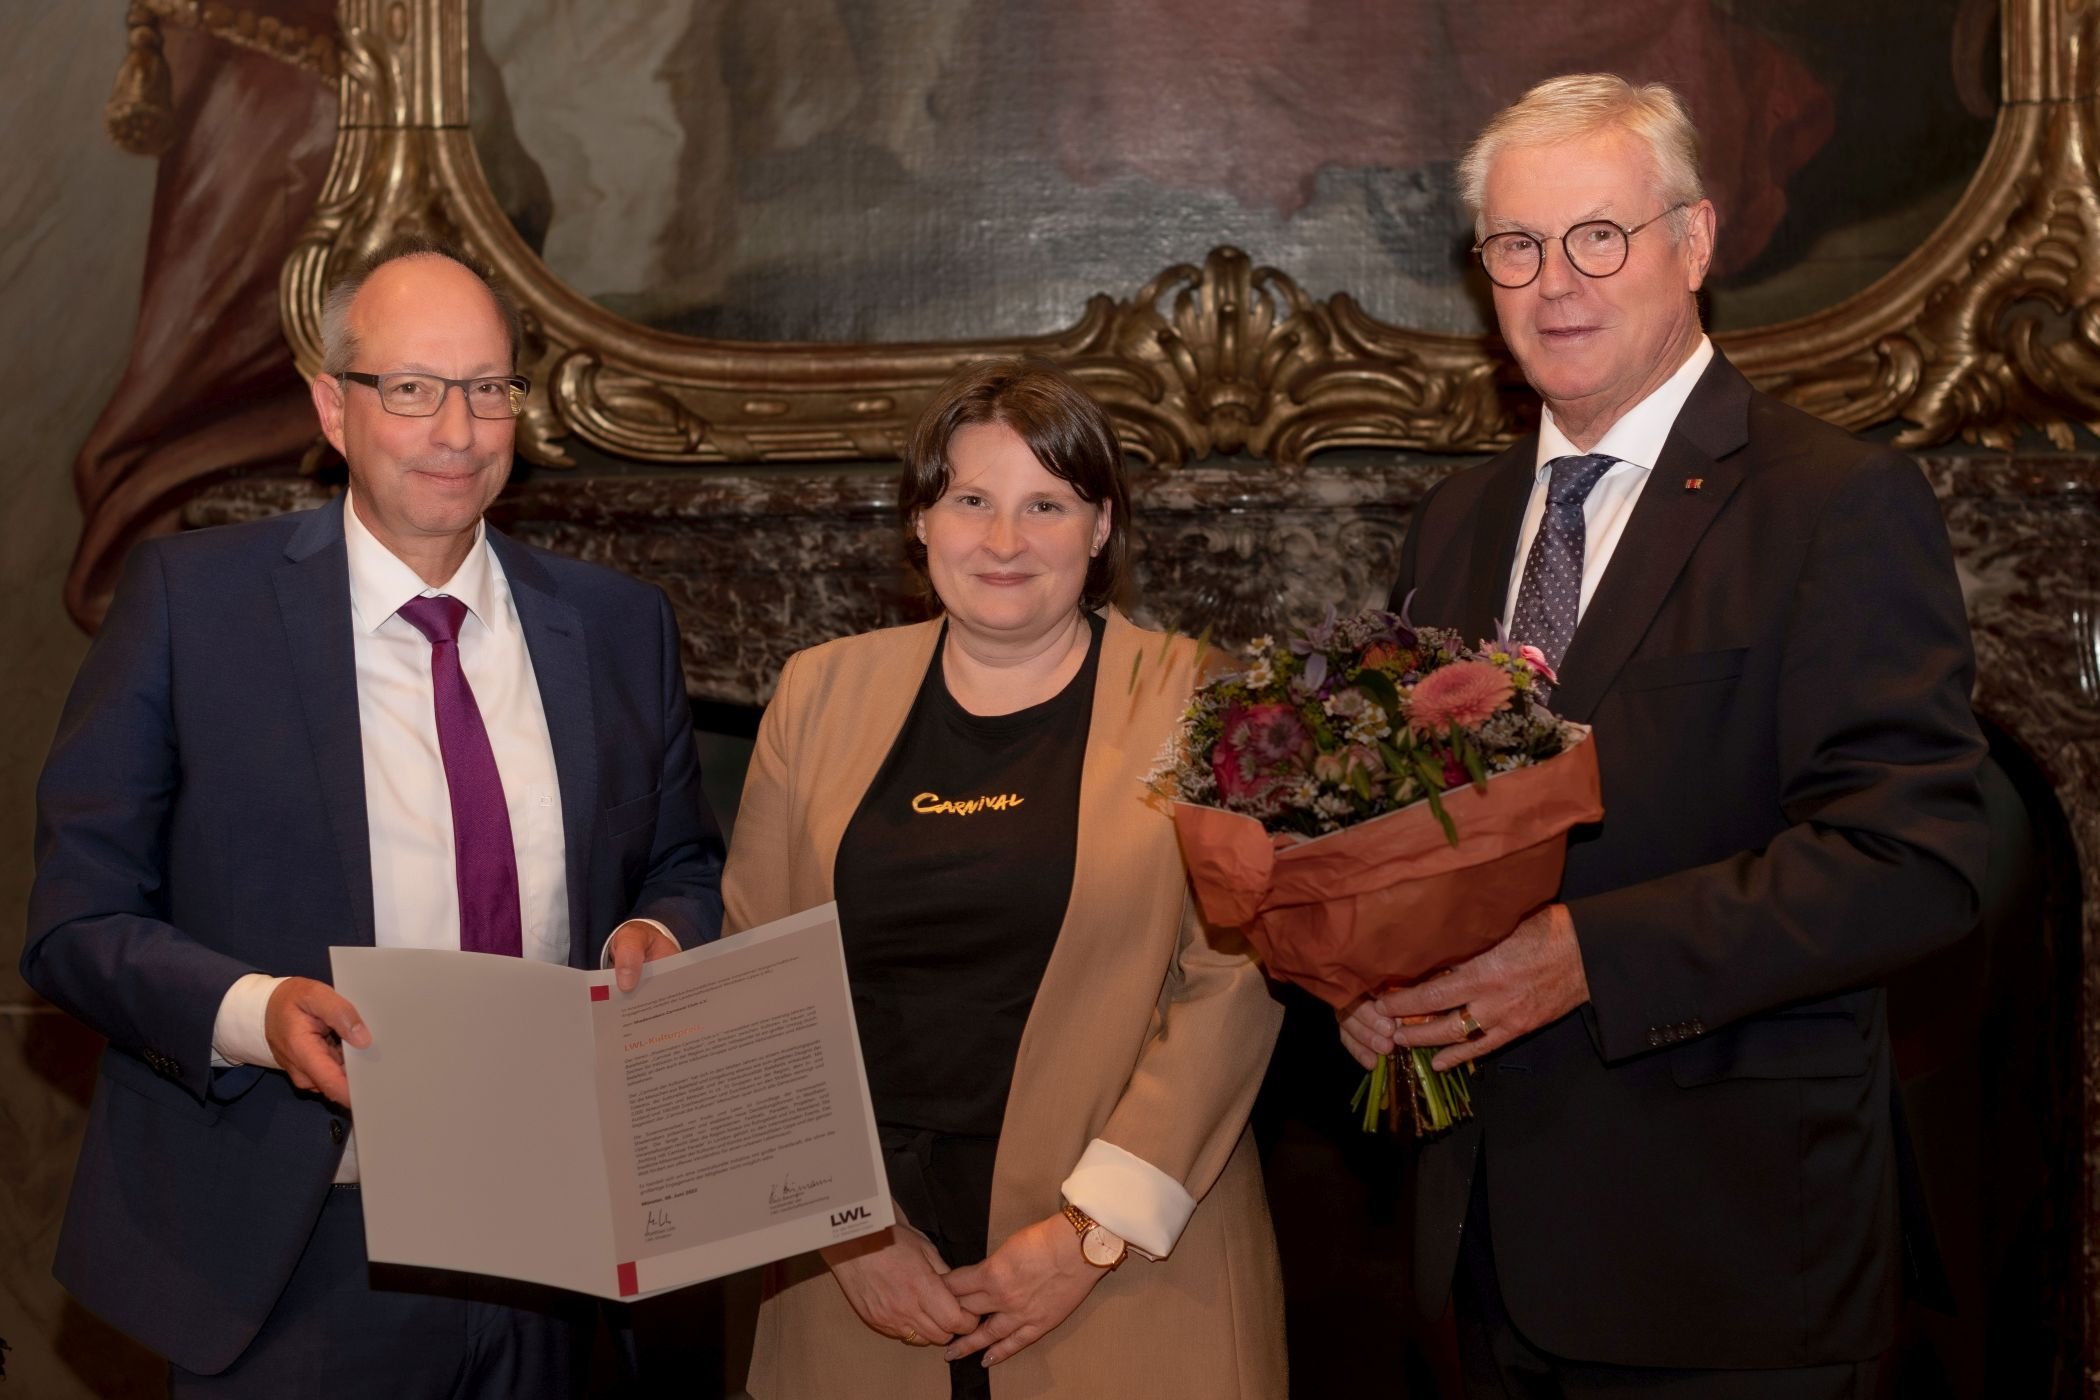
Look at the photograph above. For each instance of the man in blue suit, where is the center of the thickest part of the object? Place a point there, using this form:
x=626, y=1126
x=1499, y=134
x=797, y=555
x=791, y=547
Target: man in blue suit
x=376, y=722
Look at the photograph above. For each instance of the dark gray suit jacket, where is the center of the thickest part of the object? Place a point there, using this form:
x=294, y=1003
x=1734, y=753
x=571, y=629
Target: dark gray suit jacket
x=1697, y=1169
x=202, y=815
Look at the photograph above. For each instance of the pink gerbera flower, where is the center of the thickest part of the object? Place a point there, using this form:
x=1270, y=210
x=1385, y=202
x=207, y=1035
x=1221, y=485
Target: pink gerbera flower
x=1464, y=693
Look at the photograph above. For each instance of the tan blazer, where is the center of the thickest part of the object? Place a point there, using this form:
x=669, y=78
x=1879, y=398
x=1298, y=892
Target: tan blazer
x=1145, y=1032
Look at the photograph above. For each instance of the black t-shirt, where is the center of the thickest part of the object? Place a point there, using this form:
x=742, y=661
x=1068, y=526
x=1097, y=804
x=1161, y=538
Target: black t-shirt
x=952, y=880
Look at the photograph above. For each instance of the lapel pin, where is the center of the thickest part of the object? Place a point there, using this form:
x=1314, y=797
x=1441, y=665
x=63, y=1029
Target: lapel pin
x=1692, y=485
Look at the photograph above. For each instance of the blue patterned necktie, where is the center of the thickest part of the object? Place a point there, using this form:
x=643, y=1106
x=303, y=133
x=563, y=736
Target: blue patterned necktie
x=1549, y=598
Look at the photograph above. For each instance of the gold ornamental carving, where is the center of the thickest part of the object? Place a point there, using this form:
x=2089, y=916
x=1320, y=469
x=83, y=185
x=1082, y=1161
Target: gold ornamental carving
x=1988, y=331
x=1991, y=328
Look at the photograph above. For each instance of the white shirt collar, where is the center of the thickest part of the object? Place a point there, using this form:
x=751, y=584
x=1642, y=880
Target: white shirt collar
x=1639, y=434
x=380, y=582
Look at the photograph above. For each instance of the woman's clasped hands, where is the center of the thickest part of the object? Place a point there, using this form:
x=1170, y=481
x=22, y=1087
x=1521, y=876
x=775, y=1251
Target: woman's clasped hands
x=901, y=1287
x=895, y=1280
x=1026, y=1288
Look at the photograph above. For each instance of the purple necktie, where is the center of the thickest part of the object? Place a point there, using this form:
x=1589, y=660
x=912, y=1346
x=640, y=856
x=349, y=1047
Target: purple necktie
x=483, y=857
x=1549, y=597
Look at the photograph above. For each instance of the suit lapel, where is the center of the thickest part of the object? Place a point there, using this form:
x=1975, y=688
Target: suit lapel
x=1117, y=899
x=313, y=600
x=1666, y=526
x=852, y=758
x=554, y=638
x=1495, y=524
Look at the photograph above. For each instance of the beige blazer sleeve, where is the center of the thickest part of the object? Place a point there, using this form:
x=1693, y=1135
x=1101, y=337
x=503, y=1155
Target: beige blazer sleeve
x=1202, y=1061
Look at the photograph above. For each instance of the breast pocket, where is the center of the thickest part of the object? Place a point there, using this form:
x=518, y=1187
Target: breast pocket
x=1687, y=668
x=629, y=817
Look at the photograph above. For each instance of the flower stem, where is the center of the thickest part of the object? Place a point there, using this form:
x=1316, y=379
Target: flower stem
x=1433, y=1100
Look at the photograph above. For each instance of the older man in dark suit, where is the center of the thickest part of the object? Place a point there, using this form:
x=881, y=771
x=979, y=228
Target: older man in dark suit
x=1683, y=1176
x=376, y=722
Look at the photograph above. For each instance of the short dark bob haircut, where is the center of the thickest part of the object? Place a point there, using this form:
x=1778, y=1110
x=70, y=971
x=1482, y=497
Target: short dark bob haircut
x=1065, y=429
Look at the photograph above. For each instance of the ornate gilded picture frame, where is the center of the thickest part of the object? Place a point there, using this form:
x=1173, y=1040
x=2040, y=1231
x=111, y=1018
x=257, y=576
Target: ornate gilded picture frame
x=1988, y=331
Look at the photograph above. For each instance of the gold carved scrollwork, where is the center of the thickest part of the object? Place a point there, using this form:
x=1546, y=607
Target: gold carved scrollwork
x=1232, y=358
x=2028, y=319
x=627, y=412
x=1989, y=330
x=1992, y=328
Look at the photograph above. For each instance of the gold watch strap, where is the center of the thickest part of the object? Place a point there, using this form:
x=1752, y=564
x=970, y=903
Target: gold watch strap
x=1083, y=1224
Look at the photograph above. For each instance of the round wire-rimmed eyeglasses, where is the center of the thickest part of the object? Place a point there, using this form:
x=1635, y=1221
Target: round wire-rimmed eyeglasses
x=1594, y=248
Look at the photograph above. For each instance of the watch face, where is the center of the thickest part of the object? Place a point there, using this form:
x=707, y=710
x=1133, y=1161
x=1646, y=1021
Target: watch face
x=1101, y=1248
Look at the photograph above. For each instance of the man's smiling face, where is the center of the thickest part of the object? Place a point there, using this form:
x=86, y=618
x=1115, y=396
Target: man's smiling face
x=1595, y=346
x=415, y=480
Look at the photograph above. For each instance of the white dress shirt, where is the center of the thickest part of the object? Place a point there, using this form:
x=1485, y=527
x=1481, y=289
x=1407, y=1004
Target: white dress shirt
x=1636, y=440
x=408, y=808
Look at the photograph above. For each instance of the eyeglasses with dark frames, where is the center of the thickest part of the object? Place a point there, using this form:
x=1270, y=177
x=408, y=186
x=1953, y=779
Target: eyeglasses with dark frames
x=1594, y=248
x=421, y=395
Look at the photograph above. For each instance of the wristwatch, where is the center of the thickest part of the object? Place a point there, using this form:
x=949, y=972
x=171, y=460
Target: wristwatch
x=1099, y=1245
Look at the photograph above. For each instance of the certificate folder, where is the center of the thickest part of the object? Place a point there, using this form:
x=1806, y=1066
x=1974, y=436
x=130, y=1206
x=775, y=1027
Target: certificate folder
x=532, y=1121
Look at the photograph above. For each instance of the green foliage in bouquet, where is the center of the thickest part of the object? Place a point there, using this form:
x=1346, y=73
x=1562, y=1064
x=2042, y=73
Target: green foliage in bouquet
x=1358, y=717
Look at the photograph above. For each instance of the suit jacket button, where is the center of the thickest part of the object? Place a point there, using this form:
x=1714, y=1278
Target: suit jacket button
x=335, y=1130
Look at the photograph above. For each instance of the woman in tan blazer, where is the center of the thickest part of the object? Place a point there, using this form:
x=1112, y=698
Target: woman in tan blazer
x=1062, y=1056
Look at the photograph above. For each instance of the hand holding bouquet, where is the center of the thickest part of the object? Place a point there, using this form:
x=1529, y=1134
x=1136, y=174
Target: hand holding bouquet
x=1373, y=802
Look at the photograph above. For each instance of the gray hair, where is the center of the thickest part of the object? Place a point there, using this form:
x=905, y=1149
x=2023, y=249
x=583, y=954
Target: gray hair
x=339, y=343
x=1581, y=104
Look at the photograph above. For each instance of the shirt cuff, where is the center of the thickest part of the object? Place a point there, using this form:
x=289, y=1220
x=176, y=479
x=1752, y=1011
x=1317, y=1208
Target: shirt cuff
x=240, y=1035
x=1130, y=1196
x=605, y=953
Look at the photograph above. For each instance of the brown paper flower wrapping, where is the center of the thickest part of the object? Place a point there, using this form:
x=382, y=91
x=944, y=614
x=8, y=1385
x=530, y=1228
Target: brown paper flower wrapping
x=1391, y=899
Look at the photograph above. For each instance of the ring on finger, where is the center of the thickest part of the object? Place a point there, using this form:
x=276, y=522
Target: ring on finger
x=1470, y=1028
x=911, y=1337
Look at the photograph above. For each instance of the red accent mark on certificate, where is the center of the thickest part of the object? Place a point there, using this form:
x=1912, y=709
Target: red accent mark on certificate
x=628, y=1285
x=601, y=992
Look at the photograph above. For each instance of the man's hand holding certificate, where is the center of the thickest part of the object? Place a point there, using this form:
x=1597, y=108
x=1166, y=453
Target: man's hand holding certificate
x=532, y=1121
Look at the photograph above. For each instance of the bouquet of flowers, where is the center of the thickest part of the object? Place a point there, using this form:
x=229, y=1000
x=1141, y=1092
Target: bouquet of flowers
x=1372, y=802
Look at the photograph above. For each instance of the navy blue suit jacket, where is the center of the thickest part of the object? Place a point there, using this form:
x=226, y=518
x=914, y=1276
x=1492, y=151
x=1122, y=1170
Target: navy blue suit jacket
x=1699, y=1168
x=202, y=816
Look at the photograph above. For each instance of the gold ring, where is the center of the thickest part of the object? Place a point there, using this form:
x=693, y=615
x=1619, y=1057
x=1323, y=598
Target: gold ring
x=1467, y=1026
x=911, y=1337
